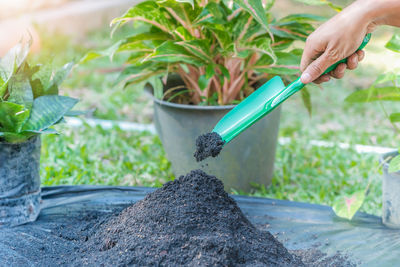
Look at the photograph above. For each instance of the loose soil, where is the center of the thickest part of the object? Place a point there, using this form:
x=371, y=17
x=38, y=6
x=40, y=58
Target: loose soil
x=208, y=145
x=190, y=221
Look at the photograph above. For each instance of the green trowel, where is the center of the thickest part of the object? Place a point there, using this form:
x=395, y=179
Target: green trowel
x=261, y=102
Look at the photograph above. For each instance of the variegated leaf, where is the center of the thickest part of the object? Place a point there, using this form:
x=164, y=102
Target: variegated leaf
x=46, y=111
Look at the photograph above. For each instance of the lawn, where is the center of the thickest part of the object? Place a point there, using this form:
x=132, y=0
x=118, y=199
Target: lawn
x=303, y=172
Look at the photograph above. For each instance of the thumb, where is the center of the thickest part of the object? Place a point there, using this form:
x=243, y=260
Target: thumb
x=316, y=68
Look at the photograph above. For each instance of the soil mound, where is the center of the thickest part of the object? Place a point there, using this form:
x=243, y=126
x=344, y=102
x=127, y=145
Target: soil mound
x=190, y=221
x=208, y=145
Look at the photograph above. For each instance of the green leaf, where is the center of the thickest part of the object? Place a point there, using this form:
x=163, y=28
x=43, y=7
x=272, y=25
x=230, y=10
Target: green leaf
x=47, y=110
x=242, y=30
x=394, y=117
x=173, y=53
x=42, y=80
x=20, y=91
x=321, y=3
x=147, y=12
x=280, y=43
x=287, y=63
x=158, y=87
x=222, y=37
x=191, y=2
x=143, y=76
x=262, y=46
x=199, y=48
x=183, y=34
x=306, y=97
x=58, y=77
x=269, y=4
x=133, y=70
x=212, y=13
x=10, y=62
x=62, y=74
x=109, y=52
x=137, y=50
x=389, y=93
x=47, y=130
x=256, y=9
x=347, y=206
x=210, y=71
x=302, y=18
x=145, y=36
x=184, y=9
x=12, y=117
x=203, y=82
x=386, y=77
x=394, y=43
x=74, y=113
x=292, y=30
x=394, y=165
x=225, y=71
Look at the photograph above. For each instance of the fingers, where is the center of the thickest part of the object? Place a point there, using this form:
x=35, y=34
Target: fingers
x=317, y=67
x=321, y=64
x=312, y=50
x=338, y=72
x=352, y=61
x=323, y=79
x=360, y=54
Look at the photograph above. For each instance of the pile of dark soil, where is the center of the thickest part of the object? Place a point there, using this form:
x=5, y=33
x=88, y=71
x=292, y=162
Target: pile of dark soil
x=208, y=145
x=190, y=221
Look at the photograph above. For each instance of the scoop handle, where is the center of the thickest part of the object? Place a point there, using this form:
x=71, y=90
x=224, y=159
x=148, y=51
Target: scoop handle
x=363, y=44
x=297, y=85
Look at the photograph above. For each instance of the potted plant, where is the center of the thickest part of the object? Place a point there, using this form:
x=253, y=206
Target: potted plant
x=201, y=58
x=29, y=106
x=386, y=88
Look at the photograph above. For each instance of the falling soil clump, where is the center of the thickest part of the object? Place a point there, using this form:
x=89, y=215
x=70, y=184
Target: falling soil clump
x=189, y=221
x=208, y=145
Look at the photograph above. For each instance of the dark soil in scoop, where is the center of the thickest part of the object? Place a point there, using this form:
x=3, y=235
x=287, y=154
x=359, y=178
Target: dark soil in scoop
x=190, y=221
x=208, y=145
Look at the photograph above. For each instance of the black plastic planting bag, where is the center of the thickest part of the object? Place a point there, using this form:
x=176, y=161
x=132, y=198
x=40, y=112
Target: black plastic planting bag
x=19, y=182
x=297, y=225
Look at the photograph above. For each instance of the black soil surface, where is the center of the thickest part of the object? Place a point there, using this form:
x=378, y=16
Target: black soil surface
x=190, y=221
x=208, y=145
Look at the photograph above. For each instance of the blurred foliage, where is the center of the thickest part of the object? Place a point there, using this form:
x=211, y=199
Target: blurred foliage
x=220, y=49
x=386, y=87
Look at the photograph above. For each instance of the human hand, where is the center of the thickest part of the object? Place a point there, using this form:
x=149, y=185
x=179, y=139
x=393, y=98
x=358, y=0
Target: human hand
x=336, y=39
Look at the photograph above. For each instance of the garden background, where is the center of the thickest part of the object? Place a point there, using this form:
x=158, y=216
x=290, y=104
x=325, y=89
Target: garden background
x=306, y=170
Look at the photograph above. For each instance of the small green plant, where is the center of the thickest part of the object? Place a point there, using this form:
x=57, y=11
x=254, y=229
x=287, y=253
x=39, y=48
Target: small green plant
x=386, y=87
x=29, y=100
x=220, y=49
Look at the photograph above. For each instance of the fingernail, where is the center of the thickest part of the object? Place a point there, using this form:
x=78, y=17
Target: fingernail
x=326, y=79
x=305, y=78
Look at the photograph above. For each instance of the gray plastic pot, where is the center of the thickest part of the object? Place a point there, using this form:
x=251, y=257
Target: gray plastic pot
x=390, y=193
x=247, y=159
x=19, y=182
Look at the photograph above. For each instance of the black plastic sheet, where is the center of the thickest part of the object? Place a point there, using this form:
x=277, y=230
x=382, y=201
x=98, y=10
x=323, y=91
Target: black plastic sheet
x=298, y=225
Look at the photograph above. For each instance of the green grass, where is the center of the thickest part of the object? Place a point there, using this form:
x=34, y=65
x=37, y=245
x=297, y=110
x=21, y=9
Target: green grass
x=113, y=157
x=302, y=173
x=318, y=175
x=94, y=156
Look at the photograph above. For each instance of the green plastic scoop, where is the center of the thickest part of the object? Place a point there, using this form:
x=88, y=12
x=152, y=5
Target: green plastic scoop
x=261, y=102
